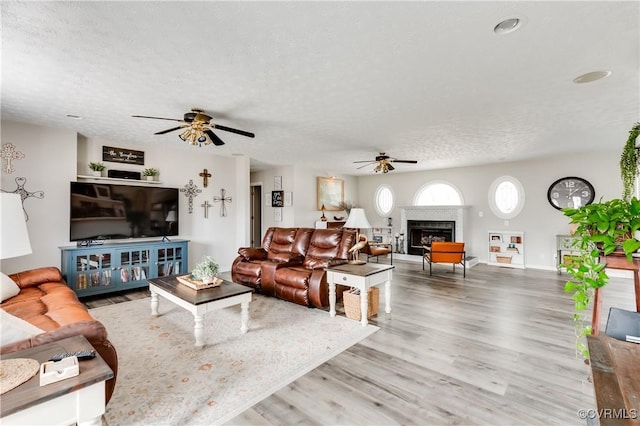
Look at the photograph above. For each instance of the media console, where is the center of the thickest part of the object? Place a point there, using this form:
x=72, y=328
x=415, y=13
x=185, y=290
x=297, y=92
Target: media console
x=91, y=270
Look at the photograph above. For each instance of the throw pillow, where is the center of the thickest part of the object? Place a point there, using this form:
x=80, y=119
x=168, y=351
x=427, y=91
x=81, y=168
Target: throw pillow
x=14, y=329
x=8, y=288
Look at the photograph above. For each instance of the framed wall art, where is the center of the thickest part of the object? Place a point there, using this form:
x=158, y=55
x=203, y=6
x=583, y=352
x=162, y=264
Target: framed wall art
x=122, y=155
x=277, y=183
x=330, y=193
x=277, y=199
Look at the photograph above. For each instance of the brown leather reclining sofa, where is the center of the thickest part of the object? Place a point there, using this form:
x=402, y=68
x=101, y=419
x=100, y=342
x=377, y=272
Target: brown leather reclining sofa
x=46, y=302
x=291, y=263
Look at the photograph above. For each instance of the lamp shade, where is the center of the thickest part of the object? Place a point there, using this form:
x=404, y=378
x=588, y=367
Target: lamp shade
x=357, y=219
x=14, y=238
x=171, y=216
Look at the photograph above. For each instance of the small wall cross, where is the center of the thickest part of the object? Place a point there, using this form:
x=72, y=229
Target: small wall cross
x=206, y=206
x=9, y=154
x=223, y=199
x=205, y=175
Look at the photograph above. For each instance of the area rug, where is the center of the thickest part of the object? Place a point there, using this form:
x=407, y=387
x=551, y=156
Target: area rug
x=163, y=379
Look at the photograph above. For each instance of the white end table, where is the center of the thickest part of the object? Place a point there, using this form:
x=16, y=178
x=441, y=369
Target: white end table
x=362, y=277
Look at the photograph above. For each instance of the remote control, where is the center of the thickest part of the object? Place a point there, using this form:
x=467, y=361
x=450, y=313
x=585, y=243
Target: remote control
x=82, y=355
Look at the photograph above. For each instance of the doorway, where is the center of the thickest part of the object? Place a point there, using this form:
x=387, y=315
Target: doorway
x=256, y=215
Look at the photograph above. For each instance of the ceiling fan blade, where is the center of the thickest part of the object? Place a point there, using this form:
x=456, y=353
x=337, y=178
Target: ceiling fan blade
x=156, y=118
x=365, y=165
x=390, y=167
x=239, y=132
x=215, y=139
x=170, y=130
x=404, y=161
x=365, y=161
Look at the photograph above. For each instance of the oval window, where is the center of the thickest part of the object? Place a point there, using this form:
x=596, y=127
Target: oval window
x=506, y=197
x=384, y=200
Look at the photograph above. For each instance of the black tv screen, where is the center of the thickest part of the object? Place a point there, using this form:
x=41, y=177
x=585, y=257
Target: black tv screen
x=102, y=211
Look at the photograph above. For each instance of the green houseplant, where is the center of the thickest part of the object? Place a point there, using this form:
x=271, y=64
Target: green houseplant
x=97, y=168
x=150, y=173
x=206, y=270
x=602, y=229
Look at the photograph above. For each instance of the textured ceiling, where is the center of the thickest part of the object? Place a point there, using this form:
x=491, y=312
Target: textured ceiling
x=323, y=84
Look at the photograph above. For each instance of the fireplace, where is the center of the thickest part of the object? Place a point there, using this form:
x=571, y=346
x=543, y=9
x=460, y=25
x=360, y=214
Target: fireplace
x=423, y=232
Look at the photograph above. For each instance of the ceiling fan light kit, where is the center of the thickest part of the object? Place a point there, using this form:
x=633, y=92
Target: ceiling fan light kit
x=383, y=163
x=198, y=128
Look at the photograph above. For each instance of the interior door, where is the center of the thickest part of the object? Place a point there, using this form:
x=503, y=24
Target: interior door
x=256, y=215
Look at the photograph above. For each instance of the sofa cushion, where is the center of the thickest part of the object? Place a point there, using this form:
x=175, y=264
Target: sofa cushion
x=8, y=287
x=323, y=248
x=252, y=253
x=14, y=329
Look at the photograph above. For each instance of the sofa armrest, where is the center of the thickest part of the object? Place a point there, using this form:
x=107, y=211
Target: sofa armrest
x=252, y=253
x=35, y=277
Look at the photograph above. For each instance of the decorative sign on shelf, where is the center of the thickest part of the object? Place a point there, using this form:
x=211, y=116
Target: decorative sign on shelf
x=277, y=198
x=121, y=155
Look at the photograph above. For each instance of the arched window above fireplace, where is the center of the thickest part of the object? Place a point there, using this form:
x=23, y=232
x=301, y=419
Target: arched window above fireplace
x=438, y=193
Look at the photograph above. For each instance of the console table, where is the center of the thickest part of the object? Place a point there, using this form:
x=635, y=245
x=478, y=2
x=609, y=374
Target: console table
x=614, y=365
x=616, y=262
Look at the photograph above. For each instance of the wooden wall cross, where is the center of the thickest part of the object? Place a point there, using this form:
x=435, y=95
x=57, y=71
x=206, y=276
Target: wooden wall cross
x=205, y=175
x=206, y=206
x=223, y=199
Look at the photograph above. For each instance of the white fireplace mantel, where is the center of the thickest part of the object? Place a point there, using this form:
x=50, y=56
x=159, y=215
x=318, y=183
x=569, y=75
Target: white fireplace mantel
x=450, y=213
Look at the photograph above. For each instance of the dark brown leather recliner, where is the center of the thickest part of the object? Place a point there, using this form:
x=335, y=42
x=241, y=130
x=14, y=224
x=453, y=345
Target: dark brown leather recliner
x=46, y=301
x=280, y=245
x=297, y=275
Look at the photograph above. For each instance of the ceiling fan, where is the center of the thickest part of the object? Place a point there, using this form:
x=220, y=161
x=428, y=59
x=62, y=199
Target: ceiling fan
x=198, y=128
x=383, y=163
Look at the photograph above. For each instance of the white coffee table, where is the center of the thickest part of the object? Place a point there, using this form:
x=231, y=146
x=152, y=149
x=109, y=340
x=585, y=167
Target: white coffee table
x=363, y=277
x=199, y=302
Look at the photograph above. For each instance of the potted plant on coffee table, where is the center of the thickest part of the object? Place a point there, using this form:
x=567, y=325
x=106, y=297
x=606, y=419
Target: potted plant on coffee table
x=602, y=229
x=205, y=271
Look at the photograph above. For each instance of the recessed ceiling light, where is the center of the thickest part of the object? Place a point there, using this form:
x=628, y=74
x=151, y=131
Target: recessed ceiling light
x=75, y=117
x=591, y=76
x=508, y=25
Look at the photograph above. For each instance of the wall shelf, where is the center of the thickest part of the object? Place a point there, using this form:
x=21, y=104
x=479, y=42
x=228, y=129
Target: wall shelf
x=506, y=248
x=151, y=182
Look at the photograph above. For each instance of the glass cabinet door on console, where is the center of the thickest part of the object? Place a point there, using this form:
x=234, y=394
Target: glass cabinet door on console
x=91, y=270
x=170, y=261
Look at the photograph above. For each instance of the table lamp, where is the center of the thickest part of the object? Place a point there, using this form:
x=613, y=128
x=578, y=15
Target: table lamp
x=170, y=219
x=357, y=219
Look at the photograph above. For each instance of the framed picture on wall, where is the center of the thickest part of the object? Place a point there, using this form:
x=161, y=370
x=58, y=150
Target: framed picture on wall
x=330, y=193
x=277, y=198
x=277, y=214
x=277, y=183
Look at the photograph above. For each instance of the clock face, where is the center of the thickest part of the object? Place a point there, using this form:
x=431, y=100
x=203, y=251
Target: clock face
x=572, y=192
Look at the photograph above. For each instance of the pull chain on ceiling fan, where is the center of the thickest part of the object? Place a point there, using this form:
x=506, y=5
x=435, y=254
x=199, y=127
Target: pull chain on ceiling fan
x=198, y=128
x=383, y=163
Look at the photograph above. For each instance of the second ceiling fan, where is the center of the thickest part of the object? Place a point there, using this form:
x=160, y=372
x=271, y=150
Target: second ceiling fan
x=383, y=163
x=198, y=128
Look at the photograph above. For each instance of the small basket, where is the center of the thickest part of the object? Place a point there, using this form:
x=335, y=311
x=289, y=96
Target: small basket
x=503, y=259
x=352, y=303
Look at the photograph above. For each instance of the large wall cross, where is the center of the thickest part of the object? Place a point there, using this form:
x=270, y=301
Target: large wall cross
x=190, y=190
x=223, y=199
x=9, y=154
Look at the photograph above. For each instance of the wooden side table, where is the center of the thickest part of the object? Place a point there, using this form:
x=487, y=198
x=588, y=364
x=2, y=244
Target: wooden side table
x=616, y=262
x=362, y=277
x=79, y=399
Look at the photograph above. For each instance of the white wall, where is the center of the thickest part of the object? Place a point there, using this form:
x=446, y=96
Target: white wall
x=54, y=157
x=538, y=219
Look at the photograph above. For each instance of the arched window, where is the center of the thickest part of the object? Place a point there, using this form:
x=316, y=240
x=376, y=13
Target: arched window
x=384, y=200
x=438, y=194
x=506, y=197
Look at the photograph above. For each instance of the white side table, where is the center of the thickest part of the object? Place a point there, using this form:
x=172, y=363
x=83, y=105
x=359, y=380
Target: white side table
x=362, y=277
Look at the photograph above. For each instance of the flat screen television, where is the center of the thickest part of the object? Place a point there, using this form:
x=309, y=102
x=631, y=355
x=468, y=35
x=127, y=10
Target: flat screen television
x=102, y=211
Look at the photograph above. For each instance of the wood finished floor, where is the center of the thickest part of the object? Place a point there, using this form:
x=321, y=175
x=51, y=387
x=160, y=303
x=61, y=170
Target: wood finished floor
x=494, y=348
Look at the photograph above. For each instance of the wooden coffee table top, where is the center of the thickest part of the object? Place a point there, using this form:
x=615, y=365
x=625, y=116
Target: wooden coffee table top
x=196, y=297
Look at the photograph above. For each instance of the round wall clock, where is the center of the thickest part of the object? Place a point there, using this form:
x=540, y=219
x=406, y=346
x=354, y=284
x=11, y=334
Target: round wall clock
x=572, y=192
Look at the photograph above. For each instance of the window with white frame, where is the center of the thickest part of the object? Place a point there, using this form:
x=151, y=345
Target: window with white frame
x=384, y=200
x=506, y=197
x=438, y=194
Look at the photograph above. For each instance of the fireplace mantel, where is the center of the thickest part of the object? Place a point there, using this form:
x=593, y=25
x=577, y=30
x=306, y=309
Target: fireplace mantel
x=444, y=213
